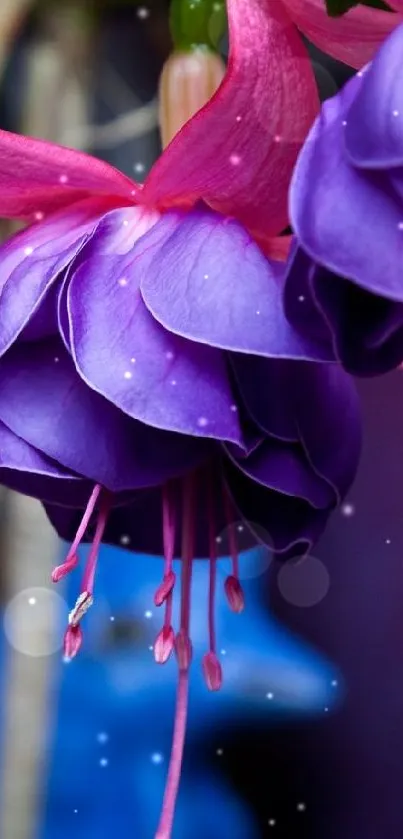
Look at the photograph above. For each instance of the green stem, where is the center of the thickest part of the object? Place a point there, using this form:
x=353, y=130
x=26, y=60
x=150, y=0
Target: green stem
x=197, y=24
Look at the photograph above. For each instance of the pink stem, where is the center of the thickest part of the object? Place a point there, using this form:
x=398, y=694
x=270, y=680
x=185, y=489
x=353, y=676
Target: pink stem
x=231, y=534
x=178, y=741
x=169, y=533
x=85, y=519
x=91, y=565
x=212, y=572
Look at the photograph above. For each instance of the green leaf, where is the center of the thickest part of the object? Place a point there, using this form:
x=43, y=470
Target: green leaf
x=336, y=8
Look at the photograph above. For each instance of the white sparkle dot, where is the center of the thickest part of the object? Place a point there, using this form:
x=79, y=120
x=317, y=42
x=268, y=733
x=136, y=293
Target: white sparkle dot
x=387, y=541
x=206, y=276
x=122, y=281
x=57, y=359
x=240, y=528
x=112, y=618
x=220, y=752
x=125, y=222
x=301, y=298
x=344, y=122
x=139, y=167
x=148, y=614
x=239, y=118
x=334, y=683
x=400, y=225
x=258, y=311
x=132, y=361
x=396, y=113
x=125, y=539
x=270, y=695
x=173, y=382
x=76, y=811
x=359, y=74
x=169, y=355
x=103, y=762
x=272, y=822
x=218, y=540
x=143, y=13
x=234, y=408
x=102, y=737
x=202, y=422
x=301, y=807
x=223, y=652
x=128, y=374
x=28, y=251
x=235, y=159
x=277, y=138
x=63, y=179
x=134, y=191
x=157, y=758
x=32, y=601
x=39, y=216
x=326, y=710
x=348, y=510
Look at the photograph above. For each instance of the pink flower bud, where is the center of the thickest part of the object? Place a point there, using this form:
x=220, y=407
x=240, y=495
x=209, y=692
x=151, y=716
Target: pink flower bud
x=164, y=644
x=165, y=588
x=67, y=566
x=72, y=642
x=212, y=671
x=235, y=595
x=183, y=649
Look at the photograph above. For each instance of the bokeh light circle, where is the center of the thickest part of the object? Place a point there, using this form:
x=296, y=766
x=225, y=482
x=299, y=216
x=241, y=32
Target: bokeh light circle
x=33, y=622
x=304, y=582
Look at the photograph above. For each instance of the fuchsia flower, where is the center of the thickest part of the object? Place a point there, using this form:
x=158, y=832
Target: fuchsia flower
x=146, y=363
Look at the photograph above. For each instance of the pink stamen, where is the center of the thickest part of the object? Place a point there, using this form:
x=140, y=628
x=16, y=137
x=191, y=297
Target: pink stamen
x=72, y=642
x=71, y=560
x=232, y=585
x=212, y=671
x=73, y=636
x=164, y=645
x=164, y=594
x=183, y=651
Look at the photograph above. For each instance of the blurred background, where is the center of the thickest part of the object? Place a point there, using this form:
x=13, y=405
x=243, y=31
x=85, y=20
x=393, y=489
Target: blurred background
x=305, y=739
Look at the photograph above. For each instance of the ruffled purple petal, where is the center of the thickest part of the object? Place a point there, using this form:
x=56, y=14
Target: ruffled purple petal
x=44, y=401
x=124, y=354
x=31, y=261
x=288, y=524
x=366, y=330
x=266, y=385
x=374, y=130
x=26, y=470
x=209, y=282
x=347, y=220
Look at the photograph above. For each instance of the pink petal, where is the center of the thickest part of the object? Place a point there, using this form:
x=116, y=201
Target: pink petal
x=238, y=152
x=352, y=38
x=37, y=177
x=396, y=4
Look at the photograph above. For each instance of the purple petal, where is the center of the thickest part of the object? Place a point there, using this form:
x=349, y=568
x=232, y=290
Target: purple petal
x=288, y=524
x=266, y=387
x=31, y=261
x=345, y=219
x=366, y=330
x=374, y=131
x=208, y=281
x=124, y=354
x=285, y=468
x=329, y=421
x=44, y=401
x=24, y=469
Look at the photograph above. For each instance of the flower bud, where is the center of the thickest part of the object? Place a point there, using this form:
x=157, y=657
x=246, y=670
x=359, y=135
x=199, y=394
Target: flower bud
x=188, y=81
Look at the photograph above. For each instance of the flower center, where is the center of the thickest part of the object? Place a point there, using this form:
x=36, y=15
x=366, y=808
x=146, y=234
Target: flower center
x=174, y=507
